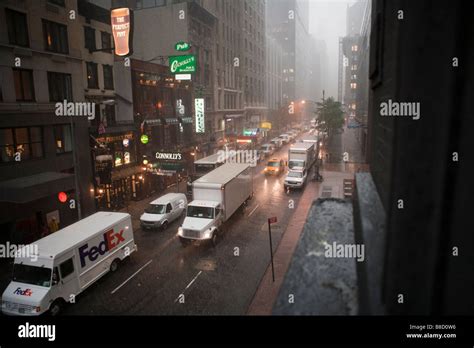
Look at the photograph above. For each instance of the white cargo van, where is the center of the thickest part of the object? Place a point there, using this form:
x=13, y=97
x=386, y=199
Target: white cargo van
x=68, y=261
x=164, y=210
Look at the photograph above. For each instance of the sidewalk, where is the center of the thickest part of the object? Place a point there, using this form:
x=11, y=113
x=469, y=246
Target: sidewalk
x=267, y=291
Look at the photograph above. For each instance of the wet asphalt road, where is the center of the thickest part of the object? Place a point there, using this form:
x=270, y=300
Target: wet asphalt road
x=213, y=280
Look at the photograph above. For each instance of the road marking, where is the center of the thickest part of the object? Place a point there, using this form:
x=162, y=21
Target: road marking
x=190, y=283
x=133, y=275
x=253, y=210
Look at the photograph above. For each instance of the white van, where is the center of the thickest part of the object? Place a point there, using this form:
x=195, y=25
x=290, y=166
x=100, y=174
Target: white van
x=286, y=138
x=67, y=262
x=277, y=142
x=164, y=210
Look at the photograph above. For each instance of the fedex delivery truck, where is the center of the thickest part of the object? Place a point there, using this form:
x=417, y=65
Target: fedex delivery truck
x=67, y=262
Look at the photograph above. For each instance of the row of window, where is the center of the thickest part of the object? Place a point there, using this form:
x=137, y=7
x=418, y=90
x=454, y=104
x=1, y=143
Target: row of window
x=24, y=143
x=59, y=84
x=55, y=34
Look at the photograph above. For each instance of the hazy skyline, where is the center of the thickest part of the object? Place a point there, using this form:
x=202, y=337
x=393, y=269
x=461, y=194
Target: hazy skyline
x=327, y=21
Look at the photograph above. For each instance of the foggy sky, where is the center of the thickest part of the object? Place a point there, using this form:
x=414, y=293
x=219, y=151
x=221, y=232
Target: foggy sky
x=327, y=21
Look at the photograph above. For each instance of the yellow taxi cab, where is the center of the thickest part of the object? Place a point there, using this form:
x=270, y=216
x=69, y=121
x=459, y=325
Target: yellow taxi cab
x=274, y=167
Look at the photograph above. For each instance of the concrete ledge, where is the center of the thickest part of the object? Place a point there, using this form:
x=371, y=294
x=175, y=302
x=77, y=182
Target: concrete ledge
x=369, y=229
x=321, y=285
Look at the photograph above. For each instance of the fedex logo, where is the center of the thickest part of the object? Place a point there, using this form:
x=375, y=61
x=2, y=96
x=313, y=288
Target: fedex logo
x=26, y=292
x=111, y=240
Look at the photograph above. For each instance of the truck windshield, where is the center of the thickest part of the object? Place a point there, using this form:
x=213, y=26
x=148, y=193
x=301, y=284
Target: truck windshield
x=200, y=212
x=292, y=164
x=33, y=275
x=156, y=209
x=273, y=164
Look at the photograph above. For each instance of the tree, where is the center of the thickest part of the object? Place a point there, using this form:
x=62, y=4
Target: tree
x=331, y=115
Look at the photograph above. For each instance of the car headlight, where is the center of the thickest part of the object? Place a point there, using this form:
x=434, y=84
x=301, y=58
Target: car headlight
x=180, y=230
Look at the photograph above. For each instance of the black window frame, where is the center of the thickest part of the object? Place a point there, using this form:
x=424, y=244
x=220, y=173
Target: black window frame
x=107, y=43
x=22, y=87
x=62, y=150
x=95, y=72
x=60, y=39
x=29, y=143
x=62, y=92
x=108, y=80
x=61, y=3
x=14, y=30
x=89, y=38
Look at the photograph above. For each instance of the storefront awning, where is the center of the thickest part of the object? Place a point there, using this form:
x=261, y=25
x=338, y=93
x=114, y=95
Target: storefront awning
x=33, y=187
x=234, y=116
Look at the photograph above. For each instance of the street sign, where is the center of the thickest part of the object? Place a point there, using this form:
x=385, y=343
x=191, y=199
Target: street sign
x=182, y=46
x=199, y=113
x=272, y=220
x=182, y=77
x=182, y=64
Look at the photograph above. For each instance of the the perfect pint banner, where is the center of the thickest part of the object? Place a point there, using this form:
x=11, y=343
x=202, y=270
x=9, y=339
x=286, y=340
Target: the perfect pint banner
x=199, y=112
x=122, y=30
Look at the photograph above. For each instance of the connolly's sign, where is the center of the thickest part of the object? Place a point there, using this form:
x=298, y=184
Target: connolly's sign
x=182, y=64
x=168, y=156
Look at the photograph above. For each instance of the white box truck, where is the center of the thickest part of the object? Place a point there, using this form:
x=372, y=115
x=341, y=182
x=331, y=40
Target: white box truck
x=216, y=196
x=67, y=262
x=301, y=155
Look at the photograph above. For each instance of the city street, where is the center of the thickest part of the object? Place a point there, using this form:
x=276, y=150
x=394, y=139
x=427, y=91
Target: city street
x=212, y=280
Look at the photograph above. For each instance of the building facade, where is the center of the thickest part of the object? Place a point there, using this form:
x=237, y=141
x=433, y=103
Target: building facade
x=355, y=47
x=45, y=163
x=288, y=22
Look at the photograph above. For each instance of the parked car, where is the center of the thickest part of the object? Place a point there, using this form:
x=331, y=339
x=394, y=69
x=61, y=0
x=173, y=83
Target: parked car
x=164, y=210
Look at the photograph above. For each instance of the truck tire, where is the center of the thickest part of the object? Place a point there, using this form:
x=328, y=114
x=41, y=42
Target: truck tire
x=215, y=239
x=114, y=265
x=56, y=307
